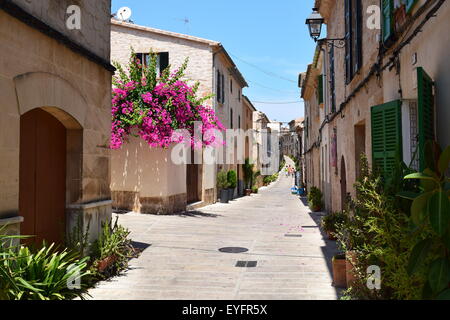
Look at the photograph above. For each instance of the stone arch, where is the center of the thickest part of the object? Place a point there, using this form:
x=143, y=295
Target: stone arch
x=53, y=94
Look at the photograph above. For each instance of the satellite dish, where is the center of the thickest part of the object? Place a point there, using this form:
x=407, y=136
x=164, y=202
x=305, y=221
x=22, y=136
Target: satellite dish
x=124, y=14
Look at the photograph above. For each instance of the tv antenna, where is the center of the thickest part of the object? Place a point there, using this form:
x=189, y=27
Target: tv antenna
x=186, y=22
x=124, y=14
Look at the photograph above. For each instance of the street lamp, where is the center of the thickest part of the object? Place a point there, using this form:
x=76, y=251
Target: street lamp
x=315, y=22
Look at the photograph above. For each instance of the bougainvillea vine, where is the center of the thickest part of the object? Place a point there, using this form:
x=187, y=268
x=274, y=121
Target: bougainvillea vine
x=154, y=107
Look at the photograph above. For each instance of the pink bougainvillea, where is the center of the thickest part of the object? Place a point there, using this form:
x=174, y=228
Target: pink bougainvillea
x=153, y=107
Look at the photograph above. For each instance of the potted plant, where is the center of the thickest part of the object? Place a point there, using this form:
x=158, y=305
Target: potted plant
x=222, y=185
x=248, y=176
x=232, y=183
x=255, y=189
x=350, y=269
x=339, y=271
x=315, y=201
x=329, y=223
x=350, y=238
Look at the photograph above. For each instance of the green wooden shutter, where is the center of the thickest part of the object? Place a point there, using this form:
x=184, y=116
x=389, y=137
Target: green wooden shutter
x=387, y=136
x=320, y=89
x=388, y=21
x=425, y=112
x=409, y=5
x=348, y=42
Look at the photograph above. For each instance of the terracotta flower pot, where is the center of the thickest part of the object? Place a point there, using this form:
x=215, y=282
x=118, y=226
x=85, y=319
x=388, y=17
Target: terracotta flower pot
x=248, y=192
x=350, y=261
x=105, y=263
x=331, y=236
x=339, y=276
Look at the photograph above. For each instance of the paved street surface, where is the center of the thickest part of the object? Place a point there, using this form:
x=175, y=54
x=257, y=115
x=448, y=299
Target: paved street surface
x=183, y=261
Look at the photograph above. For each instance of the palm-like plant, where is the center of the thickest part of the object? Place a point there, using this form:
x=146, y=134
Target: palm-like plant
x=45, y=275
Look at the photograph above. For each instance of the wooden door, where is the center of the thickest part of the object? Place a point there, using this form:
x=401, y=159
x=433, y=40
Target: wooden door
x=192, y=181
x=42, y=194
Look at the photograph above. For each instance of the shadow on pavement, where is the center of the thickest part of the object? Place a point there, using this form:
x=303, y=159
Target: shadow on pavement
x=304, y=201
x=197, y=214
x=330, y=249
x=140, y=245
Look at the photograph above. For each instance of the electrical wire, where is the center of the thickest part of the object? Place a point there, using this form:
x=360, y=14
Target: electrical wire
x=269, y=73
x=265, y=87
x=276, y=102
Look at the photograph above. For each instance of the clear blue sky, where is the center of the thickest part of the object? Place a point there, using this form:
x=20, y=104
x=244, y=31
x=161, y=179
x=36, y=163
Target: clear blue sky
x=269, y=34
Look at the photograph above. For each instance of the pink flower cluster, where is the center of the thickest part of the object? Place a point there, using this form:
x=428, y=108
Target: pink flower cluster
x=156, y=115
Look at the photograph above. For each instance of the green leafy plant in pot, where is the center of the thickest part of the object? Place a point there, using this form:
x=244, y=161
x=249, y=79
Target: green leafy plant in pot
x=330, y=222
x=248, y=176
x=430, y=212
x=222, y=185
x=232, y=183
x=315, y=201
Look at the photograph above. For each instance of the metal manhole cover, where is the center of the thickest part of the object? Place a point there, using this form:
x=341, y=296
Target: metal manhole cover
x=293, y=235
x=233, y=250
x=246, y=264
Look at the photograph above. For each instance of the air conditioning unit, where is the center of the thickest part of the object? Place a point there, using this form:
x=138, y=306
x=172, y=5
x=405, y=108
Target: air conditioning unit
x=410, y=133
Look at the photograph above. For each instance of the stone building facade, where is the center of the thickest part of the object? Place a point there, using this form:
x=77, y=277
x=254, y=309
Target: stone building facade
x=144, y=179
x=389, y=77
x=55, y=89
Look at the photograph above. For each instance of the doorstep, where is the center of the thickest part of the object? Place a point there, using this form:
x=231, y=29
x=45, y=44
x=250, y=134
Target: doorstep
x=196, y=205
x=12, y=220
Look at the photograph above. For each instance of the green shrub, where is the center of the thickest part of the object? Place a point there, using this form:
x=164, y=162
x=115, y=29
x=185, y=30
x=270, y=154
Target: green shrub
x=430, y=215
x=248, y=173
x=42, y=275
x=381, y=234
x=269, y=179
x=232, y=179
x=330, y=222
x=315, y=197
x=112, y=242
x=222, y=180
x=255, y=190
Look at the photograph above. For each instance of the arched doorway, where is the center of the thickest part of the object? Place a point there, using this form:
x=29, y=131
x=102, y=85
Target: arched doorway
x=42, y=181
x=343, y=185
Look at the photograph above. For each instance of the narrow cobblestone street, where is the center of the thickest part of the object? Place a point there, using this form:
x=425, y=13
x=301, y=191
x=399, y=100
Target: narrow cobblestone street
x=183, y=261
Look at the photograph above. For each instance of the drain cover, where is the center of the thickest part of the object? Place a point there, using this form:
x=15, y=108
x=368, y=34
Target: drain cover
x=246, y=264
x=233, y=250
x=293, y=235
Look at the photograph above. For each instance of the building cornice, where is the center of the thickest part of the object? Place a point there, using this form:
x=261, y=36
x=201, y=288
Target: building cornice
x=17, y=12
x=217, y=47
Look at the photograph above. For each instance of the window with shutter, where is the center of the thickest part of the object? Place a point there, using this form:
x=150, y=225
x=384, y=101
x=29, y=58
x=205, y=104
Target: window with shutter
x=388, y=21
x=320, y=89
x=386, y=136
x=219, y=87
x=353, y=38
x=163, y=61
x=357, y=60
x=332, y=81
x=425, y=112
x=222, y=82
x=348, y=41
